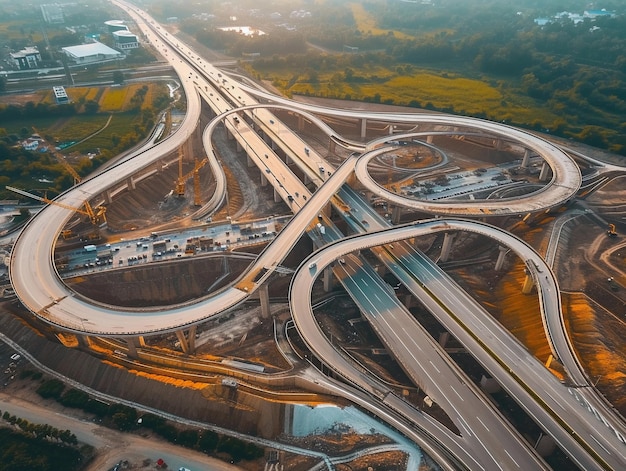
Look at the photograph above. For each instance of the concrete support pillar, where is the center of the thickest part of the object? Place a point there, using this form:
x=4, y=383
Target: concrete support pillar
x=326, y=210
x=184, y=345
x=529, y=282
x=489, y=385
x=288, y=160
x=501, y=257
x=443, y=339
x=429, y=139
x=249, y=161
x=307, y=180
x=229, y=135
x=131, y=343
x=545, y=445
x=83, y=340
x=329, y=279
x=273, y=145
x=408, y=301
x=396, y=214
x=526, y=159
x=499, y=144
x=545, y=173
x=363, y=127
x=332, y=147
x=263, y=180
x=277, y=197
x=238, y=147
x=191, y=338
x=448, y=238
x=381, y=270
x=108, y=197
x=300, y=123
x=264, y=298
x=131, y=183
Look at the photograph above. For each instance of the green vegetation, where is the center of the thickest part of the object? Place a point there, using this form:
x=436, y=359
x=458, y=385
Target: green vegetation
x=39, y=447
x=126, y=419
x=487, y=59
x=100, y=121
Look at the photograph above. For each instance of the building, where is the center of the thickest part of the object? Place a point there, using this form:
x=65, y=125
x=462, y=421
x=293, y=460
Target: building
x=125, y=40
x=91, y=53
x=27, y=58
x=115, y=25
x=60, y=95
x=52, y=13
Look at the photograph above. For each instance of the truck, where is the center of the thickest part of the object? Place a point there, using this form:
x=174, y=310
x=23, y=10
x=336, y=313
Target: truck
x=90, y=248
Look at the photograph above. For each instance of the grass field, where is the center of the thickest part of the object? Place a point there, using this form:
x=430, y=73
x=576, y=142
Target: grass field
x=366, y=23
x=443, y=91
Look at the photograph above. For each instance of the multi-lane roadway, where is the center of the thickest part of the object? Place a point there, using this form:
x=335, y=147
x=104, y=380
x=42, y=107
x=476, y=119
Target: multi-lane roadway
x=39, y=287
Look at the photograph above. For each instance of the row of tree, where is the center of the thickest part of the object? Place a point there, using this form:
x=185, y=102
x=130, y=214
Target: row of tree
x=127, y=419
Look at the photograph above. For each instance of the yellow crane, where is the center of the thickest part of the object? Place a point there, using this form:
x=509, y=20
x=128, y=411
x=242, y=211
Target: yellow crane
x=60, y=158
x=96, y=217
x=195, y=173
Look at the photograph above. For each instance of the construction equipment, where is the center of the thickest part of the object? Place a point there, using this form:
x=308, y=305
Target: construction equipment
x=96, y=216
x=60, y=158
x=611, y=232
x=195, y=173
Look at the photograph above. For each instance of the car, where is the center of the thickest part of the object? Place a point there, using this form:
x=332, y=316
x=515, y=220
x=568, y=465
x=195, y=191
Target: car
x=16, y=356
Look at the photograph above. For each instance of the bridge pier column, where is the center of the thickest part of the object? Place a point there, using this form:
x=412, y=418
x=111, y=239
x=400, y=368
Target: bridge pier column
x=429, y=139
x=277, y=197
x=448, y=238
x=363, y=127
x=381, y=270
x=300, y=123
x=288, y=160
x=249, y=161
x=545, y=445
x=501, y=257
x=443, y=338
x=264, y=298
x=131, y=343
x=489, y=385
x=108, y=197
x=229, y=135
x=263, y=180
x=273, y=145
x=238, y=147
x=527, y=287
x=526, y=159
x=83, y=340
x=328, y=279
x=187, y=342
x=131, y=183
x=408, y=301
x=545, y=173
x=499, y=144
x=307, y=180
x=332, y=147
x=396, y=214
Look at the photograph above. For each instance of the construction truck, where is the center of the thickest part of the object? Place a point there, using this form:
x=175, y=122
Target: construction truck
x=611, y=231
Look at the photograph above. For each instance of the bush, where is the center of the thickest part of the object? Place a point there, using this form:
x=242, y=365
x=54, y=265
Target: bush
x=51, y=389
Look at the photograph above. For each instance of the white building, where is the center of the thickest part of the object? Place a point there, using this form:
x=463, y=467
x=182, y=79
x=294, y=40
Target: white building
x=91, y=53
x=27, y=58
x=125, y=40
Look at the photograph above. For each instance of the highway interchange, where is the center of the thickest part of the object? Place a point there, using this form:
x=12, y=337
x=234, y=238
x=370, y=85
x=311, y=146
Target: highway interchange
x=576, y=418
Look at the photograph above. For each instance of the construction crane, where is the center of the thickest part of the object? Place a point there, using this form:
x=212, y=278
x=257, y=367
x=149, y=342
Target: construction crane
x=195, y=173
x=61, y=159
x=96, y=217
